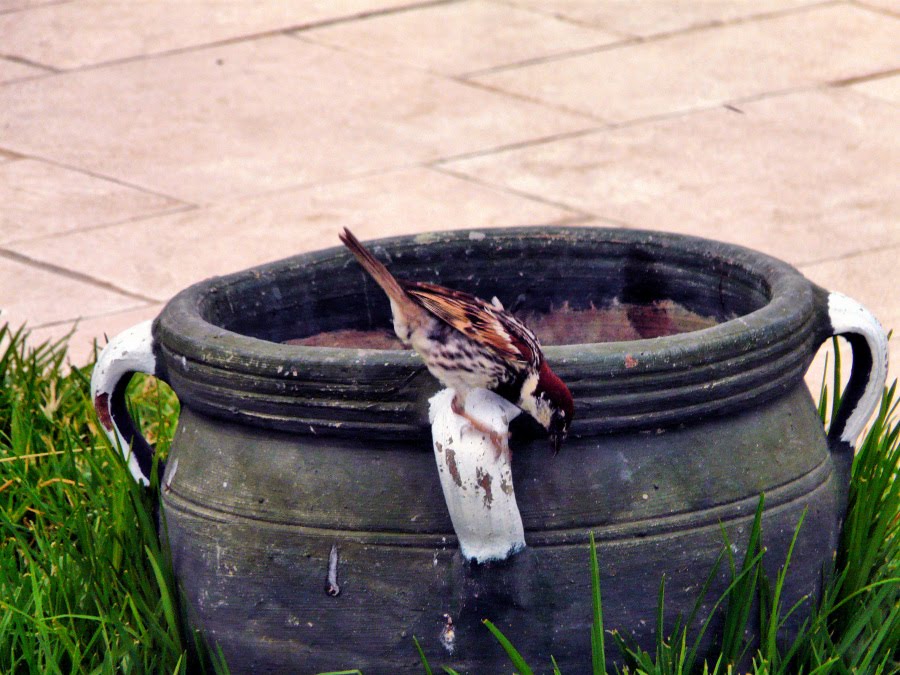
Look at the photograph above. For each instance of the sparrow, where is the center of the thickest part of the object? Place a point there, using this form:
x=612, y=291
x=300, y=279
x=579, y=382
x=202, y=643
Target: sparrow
x=468, y=343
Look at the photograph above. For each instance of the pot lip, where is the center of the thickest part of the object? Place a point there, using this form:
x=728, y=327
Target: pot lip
x=644, y=383
x=789, y=292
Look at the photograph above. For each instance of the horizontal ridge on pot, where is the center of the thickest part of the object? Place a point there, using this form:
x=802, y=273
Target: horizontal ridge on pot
x=222, y=341
x=412, y=535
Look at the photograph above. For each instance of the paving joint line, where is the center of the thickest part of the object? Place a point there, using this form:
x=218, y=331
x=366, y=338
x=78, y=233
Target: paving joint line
x=606, y=127
x=321, y=182
x=73, y=275
x=880, y=75
x=550, y=105
x=516, y=145
x=90, y=317
x=109, y=179
x=365, y=15
x=25, y=9
x=737, y=21
x=102, y=226
x=548, y=58
x=285, y=31
x=849, y=255
x=559, y=16
x=577, y=213
x=731, y=105
x=21, y=60
x=862, y=4
x=30, y=78
x=633, y=40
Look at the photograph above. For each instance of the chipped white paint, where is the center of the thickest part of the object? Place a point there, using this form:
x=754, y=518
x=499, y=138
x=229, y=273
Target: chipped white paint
x=475, y=477
x=848, y=316
x=129, y=352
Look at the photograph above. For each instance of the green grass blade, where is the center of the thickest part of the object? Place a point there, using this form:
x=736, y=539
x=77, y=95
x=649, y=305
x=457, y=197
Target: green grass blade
x=220, y=666
x=823, y=393
x=661, y=647
x=514, y=656
x=698, y=603
x=556, y=670
x=742, y=591
x=424, y=660
x=598, y=647
x=836, y=382
x=774, y=620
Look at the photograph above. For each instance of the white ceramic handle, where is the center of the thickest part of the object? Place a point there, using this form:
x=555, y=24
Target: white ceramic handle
x=869, y=343
x=128, y=353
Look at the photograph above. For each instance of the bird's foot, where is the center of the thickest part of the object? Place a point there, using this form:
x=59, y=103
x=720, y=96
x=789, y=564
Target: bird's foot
x=498, y=440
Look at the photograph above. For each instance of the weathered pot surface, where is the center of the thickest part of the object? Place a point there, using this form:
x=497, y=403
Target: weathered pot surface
x=285, y=452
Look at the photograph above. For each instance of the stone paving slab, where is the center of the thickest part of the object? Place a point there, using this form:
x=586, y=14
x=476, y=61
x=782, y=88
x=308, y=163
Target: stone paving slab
x=41, y=199
x=257, y=116
x=29, y=294
x=75, y=34
x=804, y=177
x=644, y=18
x=177, y=250
x=460, y=38
x=885, y=88
x=706, y=67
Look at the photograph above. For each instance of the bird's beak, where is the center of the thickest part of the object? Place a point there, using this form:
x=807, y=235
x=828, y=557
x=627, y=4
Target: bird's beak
x=556, y=441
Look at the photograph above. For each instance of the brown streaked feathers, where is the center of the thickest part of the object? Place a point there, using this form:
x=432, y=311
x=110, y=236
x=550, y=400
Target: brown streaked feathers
x=478, y=320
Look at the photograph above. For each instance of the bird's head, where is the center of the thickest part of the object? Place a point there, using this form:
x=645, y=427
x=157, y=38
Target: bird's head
x=550, y=403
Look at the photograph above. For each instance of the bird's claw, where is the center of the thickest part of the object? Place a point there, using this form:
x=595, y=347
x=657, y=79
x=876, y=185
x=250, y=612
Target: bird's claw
x=500, y=441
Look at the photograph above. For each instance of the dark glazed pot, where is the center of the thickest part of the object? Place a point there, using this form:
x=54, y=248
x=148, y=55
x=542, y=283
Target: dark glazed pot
x=284, y=451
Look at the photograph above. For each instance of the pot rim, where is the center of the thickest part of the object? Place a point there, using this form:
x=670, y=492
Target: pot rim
x=642, y=383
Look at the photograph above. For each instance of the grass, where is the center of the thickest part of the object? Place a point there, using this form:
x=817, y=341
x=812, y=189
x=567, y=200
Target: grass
x=86, y=587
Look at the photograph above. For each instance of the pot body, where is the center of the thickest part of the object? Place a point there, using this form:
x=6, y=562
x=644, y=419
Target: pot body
x=287, y=455
x=256, y=513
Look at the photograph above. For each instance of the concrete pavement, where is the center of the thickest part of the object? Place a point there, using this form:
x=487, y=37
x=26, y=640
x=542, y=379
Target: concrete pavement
x=145, y=145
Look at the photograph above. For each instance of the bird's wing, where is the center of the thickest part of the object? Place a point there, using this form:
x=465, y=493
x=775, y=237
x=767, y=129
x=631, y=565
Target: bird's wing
x=478, y=320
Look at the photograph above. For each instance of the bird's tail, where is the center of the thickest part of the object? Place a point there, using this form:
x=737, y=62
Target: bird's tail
x=378, y=271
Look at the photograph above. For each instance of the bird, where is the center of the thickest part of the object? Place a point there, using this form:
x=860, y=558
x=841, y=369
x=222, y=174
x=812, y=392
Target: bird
x=468, y=343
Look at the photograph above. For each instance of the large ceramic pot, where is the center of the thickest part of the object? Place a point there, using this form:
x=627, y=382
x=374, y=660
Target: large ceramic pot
x=690, y=403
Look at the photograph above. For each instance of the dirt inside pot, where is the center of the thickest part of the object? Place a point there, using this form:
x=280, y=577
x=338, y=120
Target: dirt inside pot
x=349, y=338
x=563, y=326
